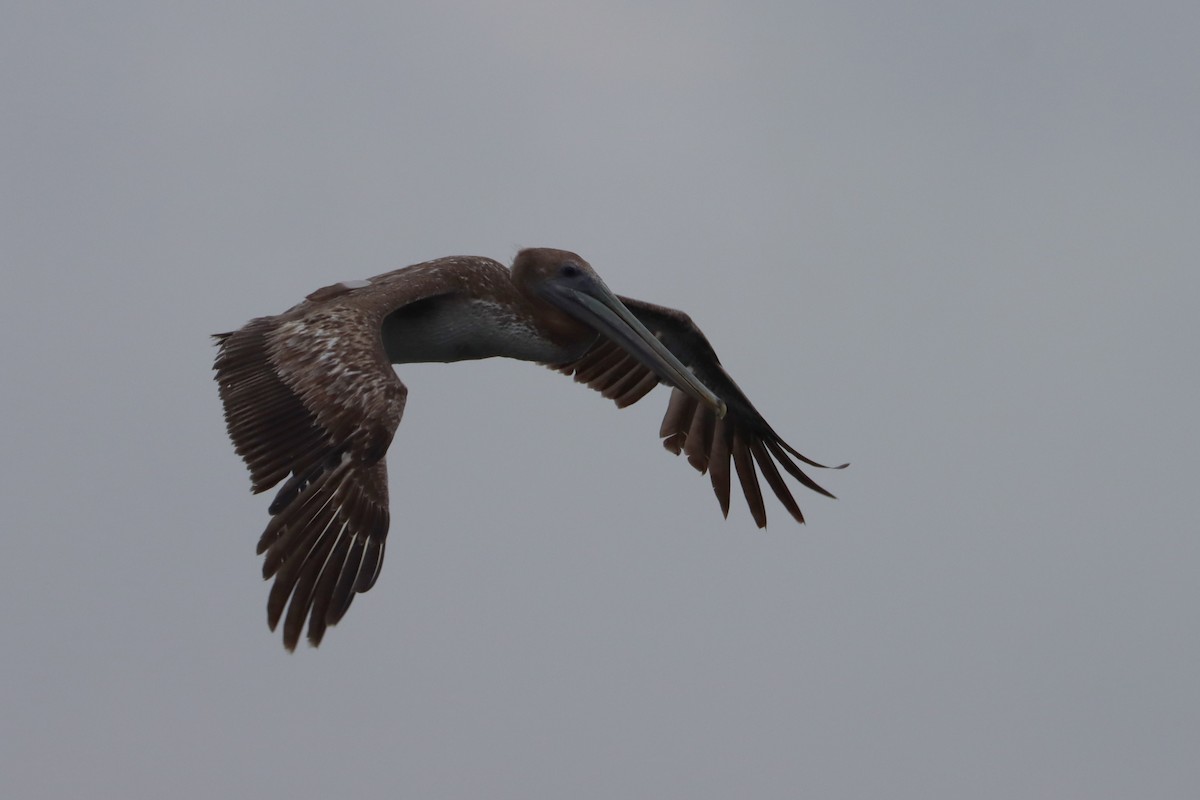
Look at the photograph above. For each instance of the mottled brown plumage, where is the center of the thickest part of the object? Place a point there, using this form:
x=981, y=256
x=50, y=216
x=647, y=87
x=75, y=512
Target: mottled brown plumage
x=312, y=402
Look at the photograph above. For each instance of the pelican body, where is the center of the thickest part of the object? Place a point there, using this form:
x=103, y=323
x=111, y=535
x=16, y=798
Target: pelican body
x=312, y=402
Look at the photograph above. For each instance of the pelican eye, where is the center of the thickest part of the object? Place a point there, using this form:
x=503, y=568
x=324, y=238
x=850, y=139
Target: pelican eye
x=570, y=270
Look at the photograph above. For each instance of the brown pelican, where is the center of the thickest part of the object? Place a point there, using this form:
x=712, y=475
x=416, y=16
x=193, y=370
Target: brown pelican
x=311, y=400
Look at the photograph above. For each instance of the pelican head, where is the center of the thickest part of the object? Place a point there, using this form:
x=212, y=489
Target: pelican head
x=568, y=284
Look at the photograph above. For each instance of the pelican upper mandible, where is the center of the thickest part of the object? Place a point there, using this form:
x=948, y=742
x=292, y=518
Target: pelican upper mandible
x=311, y=400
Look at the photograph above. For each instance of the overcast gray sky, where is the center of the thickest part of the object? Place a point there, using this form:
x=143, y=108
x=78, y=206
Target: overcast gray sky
x=953, y=243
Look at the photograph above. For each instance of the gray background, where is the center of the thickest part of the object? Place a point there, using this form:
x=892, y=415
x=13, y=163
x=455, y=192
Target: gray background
x=954, y=244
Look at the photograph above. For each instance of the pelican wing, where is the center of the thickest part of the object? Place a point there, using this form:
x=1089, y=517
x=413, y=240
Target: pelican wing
x=691, y=428
x=312, y=401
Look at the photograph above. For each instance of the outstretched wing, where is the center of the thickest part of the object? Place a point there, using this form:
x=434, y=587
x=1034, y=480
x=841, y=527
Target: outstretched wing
x=312, y=401
x=689, y=427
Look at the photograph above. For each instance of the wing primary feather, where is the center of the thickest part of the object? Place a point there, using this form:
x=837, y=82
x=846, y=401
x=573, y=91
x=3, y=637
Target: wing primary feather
x=794, y=470
x=699, y=438
x=323, y=590
x=749, y=479
x=292, y=511
x=343, y=590
x=296, y=542
x=302, y=594
x=775, y=480
x=372, y=564
x=806, y=459
x=293, y=487
x=718, y=463
x=291, y=569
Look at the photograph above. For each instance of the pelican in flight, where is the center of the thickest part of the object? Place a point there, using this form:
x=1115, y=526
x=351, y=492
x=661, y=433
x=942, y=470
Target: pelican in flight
x=311, y=400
